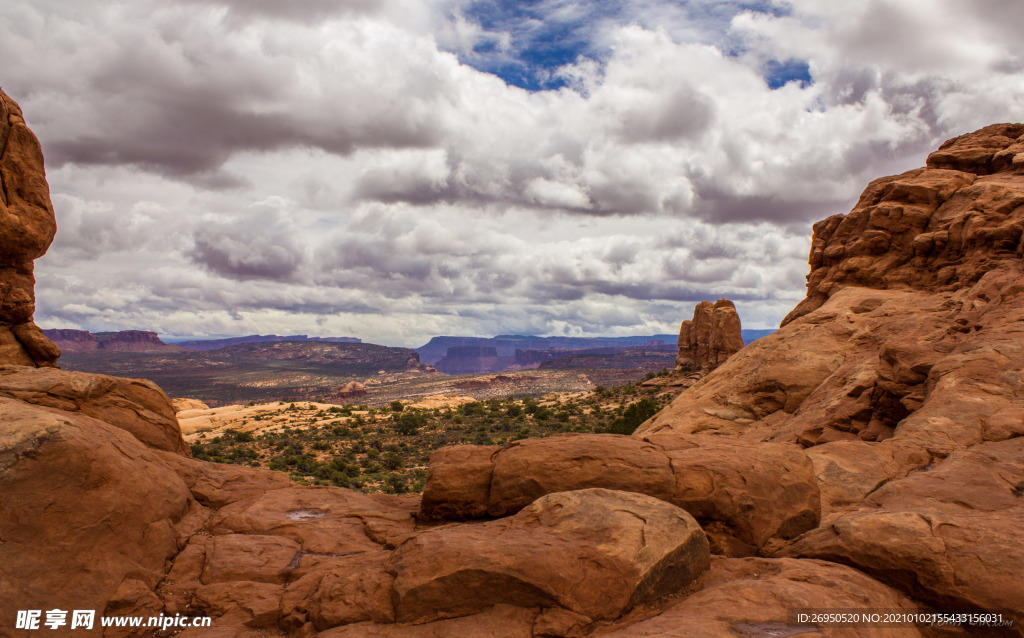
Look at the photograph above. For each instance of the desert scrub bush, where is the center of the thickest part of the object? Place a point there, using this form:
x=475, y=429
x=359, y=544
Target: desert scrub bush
x=633, y=416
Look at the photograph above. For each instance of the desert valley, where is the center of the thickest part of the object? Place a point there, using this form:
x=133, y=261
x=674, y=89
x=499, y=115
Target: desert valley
x=867, y=455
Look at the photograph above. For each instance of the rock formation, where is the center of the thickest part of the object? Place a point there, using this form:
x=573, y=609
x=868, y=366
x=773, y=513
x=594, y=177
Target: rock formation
x=123, y=341
x=27, y=226
x=712, y=336
x=868, y=455
x=182, y=404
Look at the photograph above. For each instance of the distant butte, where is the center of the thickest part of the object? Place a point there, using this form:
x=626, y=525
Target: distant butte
x=712, y=336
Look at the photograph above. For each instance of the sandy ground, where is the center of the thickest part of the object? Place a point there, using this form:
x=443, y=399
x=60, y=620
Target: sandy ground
x=214, y=421
x=441, y=402
x=198, y=423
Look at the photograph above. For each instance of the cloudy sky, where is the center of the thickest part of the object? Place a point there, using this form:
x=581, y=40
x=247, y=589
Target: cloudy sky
x=397, y=169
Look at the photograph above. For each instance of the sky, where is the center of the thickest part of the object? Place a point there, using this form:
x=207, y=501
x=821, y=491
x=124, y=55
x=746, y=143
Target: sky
x=398, y=169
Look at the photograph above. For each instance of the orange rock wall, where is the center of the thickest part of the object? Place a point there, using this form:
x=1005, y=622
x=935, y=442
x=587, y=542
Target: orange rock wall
x=27, y=226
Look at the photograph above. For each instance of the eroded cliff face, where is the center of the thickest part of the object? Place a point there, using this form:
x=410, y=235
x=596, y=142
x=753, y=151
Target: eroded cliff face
x=917, y=290
x=712, y=336
x=27, y=227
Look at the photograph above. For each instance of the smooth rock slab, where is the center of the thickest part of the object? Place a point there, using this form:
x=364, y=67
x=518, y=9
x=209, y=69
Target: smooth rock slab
x=324, y=520
x=596, y=552
x=950, y=536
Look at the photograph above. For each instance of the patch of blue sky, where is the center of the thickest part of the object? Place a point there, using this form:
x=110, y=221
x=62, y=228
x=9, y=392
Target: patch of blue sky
x=780, y=73
x=544, y=35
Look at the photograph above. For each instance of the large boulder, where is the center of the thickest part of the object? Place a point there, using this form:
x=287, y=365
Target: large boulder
x=135, y=405
x=459, y=482
x=27, y=226
x=595, y=552
x=745, y=494
x=85, y=506
x=528, y=469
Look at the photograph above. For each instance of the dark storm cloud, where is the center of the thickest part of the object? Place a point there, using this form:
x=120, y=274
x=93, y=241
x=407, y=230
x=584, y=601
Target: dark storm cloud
x=184, y=97
x=682, y=114
x=301, y=10
x=720, y=206
x=260, y=245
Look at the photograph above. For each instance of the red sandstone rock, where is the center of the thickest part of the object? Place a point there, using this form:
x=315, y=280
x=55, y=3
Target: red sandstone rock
x=85, y=506
x=132, y=598
x=902, y=373
x=528, y=469
x=744, y=493
x=27, y=227
x=340, y=590
x=711, y=337
x=752, y=597
x=217, y=485
x=951, y=533
x=747, y=493
x=324, y=520
x=595, y=552
x=134, y=405
x=501, y=621
x=252, y=604
x=459, y=482
x=264, y=559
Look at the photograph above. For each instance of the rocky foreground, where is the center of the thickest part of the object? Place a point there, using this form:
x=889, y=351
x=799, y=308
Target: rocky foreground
x=867, y=455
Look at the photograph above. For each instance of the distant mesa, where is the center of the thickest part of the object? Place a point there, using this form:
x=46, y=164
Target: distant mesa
x=122, y=341
x=474, y=355
x=472, y=360
x=203, y=345
x=712, y=336
x=506, y=345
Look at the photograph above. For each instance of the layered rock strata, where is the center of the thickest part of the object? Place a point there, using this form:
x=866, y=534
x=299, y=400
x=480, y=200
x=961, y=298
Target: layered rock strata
x=712, y=336
x=27, y=226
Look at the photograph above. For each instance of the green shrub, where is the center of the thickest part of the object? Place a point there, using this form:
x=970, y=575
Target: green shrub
x=633, y=416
